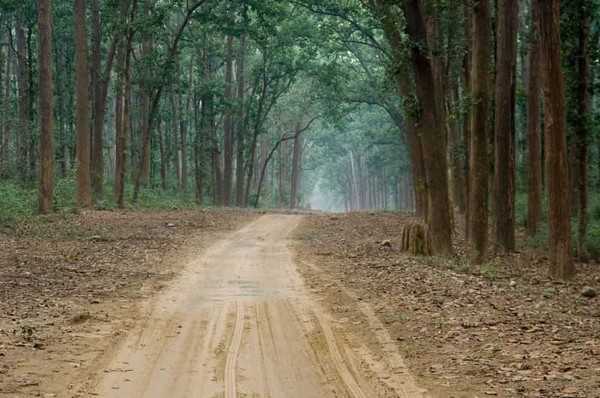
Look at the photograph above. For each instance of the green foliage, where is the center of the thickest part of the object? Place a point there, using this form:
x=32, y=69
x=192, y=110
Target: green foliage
x=164, y=200
x=65, y=193
x=15, y=202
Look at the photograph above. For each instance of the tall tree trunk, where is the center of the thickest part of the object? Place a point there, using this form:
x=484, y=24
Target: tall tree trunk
x=97, y=164
x=582, y=128
x=504, y=184
x=478, y=161
x=455, y=155
x=199, y=146
x=534, y=193
x=163, y=155
x=24, y=136
x=102, y=80
x=555, y=128
x=122, y=118
x=182, y=148
x=4, y=99
x=467, y=70
x=241, y=123
x=82, y=107
x=296, y=169
x=120, y=150
x=228, y=124
x=433, y=138
x=144, y=171
x=45, y=106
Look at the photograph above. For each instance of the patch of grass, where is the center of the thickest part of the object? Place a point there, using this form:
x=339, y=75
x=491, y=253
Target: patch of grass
x=18, y=202
x=489, y=271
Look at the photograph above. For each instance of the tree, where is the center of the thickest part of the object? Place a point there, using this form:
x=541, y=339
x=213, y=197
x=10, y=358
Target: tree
x=478, y=157
x=583, y=121
x=429, y=95
x=46, y=106
x=99, y=100
x=241, y=125
x=556, y=141
x=82, y=104
x=123, y=102
x=534, y=195
x=23, y=82
x=504, y=185
x=296, y=169
x=228, y=124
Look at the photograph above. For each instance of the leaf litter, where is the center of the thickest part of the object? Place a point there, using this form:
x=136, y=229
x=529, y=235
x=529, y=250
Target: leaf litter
x=70, y=286
x=502, y=329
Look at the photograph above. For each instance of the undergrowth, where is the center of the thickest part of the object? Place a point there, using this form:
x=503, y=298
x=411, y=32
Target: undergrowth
x=540, y=240
x=18, y=202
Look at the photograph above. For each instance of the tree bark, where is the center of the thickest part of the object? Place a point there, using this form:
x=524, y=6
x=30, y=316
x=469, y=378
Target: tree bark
x=144, y=171
x=120, y=148
x=582, y=128
x=4, y=100
x=82, y=107
x=504, y=184
x=122, y=120
x=478, y=153
x=555, y=128
x=241, y=123
x=228, y=124
x=97, y=161
x=24, y=136
x=45, y=106
x=455, y=155
x=296, y=170
x=534, y=192
x=434, y=141
x=467, y=70
x=163, y=155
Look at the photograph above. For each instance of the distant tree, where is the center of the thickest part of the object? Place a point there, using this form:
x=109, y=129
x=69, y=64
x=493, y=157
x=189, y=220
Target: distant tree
x=46, y=187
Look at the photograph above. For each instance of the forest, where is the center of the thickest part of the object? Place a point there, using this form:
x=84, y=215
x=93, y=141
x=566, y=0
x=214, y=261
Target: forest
x=479, y=116
x=300, y=198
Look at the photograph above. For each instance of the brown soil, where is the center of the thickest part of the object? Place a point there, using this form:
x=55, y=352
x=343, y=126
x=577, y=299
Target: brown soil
x=503, y=329
x=70, y=286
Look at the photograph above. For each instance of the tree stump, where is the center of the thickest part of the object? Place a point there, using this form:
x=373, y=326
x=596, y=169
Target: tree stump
x=415, y=239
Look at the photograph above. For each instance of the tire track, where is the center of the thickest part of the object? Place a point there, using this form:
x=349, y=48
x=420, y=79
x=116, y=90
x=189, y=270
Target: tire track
x=233, y=354
x=336, y=357
x=216, y=316
x=400, y=380
x=260, y=320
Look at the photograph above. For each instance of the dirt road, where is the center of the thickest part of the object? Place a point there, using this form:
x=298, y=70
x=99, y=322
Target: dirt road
x=239, y=322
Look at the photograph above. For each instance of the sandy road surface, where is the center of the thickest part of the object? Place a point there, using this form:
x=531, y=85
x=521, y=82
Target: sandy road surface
x=239, y=322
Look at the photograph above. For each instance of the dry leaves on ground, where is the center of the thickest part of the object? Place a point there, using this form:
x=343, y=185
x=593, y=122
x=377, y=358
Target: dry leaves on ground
x=503, y=329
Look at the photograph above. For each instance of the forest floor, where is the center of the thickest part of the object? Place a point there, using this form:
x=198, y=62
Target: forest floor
x=71, y=286
x=224, y=303
x=503, y=329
